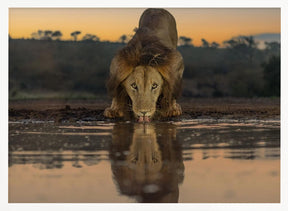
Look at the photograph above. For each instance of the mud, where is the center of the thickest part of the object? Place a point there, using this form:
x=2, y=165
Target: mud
x=92, y=110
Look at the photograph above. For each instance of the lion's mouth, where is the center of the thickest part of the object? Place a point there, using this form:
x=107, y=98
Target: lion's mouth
x=144, y=119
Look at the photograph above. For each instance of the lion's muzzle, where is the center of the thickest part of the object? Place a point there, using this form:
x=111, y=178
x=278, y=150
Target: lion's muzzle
x=144, y=119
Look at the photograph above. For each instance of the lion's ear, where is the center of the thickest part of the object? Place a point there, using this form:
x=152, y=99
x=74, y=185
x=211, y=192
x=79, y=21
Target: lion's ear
x=119, y=71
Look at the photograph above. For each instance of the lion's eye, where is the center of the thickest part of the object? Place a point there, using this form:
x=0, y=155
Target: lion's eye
x=134, y=86
x=154, y=86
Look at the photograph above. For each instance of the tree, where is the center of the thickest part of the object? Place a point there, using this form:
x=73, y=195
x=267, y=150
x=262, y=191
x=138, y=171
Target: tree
x=272, y=48
x=250, y=42
x=214, y=45
x=37, y=35
x=240, y=42
x=243, y=46
x=271, y=76
x=56, y=35
x=75, y=34
x=40, y=33
x=47, y=35
x=123, y=39
x=185, y=41
x=230, y=43
x=90, y=37
x=205, y=43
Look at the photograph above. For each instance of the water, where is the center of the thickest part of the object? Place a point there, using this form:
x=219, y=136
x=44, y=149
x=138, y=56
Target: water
x=188, y=161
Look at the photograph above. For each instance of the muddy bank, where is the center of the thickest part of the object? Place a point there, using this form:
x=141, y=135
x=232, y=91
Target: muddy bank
x=92, y=110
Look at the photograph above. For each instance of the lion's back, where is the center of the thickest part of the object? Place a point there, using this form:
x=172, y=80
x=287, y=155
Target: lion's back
x=162, y=24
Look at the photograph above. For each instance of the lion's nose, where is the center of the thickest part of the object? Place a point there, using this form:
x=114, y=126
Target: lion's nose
x=143, y=112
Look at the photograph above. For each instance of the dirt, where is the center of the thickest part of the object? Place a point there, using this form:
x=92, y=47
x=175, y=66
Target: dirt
x=92, y=110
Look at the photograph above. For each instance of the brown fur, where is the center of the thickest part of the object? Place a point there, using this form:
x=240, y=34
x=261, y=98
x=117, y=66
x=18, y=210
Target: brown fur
x=147, y=49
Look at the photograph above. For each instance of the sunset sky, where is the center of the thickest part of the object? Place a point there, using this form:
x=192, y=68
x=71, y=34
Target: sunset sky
x=109, y=24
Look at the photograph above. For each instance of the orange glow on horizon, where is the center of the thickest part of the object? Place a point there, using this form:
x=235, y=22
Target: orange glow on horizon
x=109, y=24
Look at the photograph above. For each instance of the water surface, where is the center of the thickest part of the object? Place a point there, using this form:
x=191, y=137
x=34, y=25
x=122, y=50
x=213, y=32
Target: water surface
x=188, y=161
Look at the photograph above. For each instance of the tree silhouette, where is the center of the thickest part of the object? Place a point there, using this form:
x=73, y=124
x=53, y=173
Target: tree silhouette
x=243, y=46
x=271, y=74
x=47, y=35
x=214, y=45
x=75, y=34
x=37, y=35
x=240, y=42
x=90, y=37
x=205, y=43
x=272, y=48
x=230, y=43
x=251, y=43
x=123, y=39
x=56, y=35
x=185, y=41
x=40, y=33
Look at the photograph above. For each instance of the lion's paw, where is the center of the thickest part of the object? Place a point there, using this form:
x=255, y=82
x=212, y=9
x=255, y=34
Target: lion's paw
x=175, y=110
x=113, y=113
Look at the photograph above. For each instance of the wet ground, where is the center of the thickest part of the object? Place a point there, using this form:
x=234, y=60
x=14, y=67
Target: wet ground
x=185, y=160
x=92, y=110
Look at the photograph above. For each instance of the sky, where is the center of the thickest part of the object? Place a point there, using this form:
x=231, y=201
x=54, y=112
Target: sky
x=212, y=24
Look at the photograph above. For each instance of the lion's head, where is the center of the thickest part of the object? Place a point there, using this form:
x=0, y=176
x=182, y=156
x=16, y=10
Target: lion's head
x=144, y=86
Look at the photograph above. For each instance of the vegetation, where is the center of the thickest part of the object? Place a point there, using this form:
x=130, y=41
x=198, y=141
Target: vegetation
x=45, y=64
x=272, y=76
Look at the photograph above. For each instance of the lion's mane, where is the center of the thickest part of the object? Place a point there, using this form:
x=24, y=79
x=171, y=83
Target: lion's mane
x=146, y=50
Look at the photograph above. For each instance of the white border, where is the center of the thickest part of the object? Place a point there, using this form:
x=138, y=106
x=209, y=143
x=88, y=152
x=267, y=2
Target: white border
x=283, y=4
x=146, y=3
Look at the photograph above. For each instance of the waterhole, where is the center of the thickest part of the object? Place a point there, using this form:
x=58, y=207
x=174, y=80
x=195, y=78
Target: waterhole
x=187, y=161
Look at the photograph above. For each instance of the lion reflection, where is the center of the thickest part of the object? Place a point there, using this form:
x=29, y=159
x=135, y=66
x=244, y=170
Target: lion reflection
x=147, y=161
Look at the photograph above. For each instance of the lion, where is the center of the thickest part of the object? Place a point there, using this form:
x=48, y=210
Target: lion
x=146, y=75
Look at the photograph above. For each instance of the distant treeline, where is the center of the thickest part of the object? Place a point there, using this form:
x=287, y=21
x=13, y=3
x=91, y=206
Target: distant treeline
x=48, y=65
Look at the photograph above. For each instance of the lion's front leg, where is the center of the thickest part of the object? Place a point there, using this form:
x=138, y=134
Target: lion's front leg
x=173, y=110
x=114, y=110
